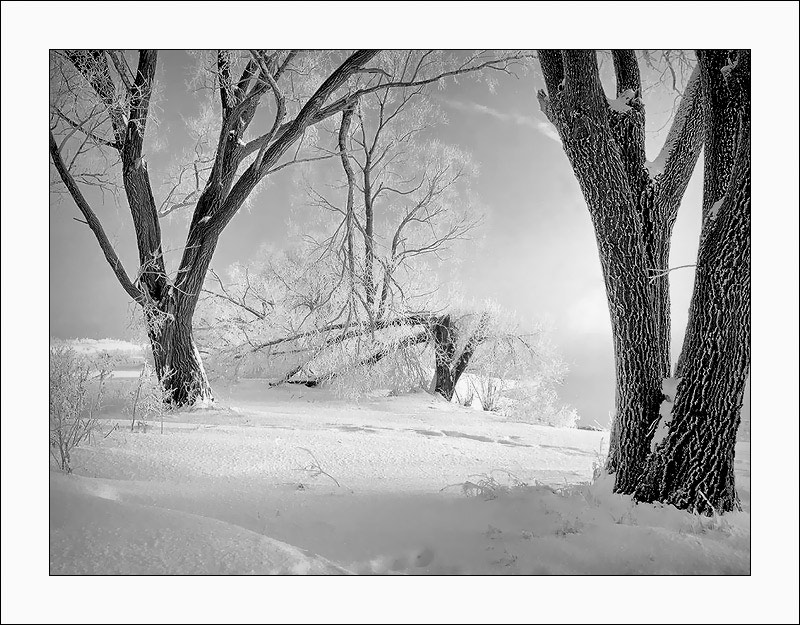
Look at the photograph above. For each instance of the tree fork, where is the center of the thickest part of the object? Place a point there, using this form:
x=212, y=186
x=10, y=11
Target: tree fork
x=693, y=467
x=632, y=212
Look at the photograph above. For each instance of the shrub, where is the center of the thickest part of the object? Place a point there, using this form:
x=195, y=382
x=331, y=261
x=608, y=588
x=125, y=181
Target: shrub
x=77, y=384
x=466, y=397
x=147, y=400
x=531, y=401
x=564, y=417
x=489, y=391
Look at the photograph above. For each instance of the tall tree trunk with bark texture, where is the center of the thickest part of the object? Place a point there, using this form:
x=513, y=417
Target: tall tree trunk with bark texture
x=633, y=208
x=178, y=362
x=693, y=467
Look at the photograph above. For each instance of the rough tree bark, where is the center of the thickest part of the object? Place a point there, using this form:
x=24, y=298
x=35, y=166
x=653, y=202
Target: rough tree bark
x=633, y=206
x=693, y=467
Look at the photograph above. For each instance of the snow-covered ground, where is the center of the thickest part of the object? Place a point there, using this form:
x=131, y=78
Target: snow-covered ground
x=293, y=480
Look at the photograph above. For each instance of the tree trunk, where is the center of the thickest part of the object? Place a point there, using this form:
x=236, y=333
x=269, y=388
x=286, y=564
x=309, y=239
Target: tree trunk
x=638, y=352
x=620, y=232
x=693, y=467
x=177, y=361
x=632, y=208
x=444, y=342
x=449, y=369
x=725, y=105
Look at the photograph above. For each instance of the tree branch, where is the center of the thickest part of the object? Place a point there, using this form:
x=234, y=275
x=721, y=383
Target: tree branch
x=627, y=121
x=626, y=69
x=341, y=104
x=92, y=65
x=94, y=224
x=139, y=105
x=307, y=116
x=582, y=83
x=88, y=133
x=684, y=141
x=121, y=67
x=553, y=70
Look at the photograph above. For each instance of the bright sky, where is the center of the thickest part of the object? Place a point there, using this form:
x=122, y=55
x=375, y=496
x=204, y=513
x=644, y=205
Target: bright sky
x=536, y=252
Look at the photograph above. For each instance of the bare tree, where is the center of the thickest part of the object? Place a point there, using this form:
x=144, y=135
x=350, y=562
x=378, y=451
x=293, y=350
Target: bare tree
x=101, y=105
x=403, y=203
x=633, y=205
x=399, y=204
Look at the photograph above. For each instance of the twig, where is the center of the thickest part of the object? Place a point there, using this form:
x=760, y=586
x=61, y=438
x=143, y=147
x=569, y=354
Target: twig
x=315, y=469
x=713, y=509
x=663, y=273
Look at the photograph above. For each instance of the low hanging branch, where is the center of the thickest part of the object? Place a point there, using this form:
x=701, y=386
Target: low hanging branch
x=351, y=330
x=438, y=330
x=371, y=360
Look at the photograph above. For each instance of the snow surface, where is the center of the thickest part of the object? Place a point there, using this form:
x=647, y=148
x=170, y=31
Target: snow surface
x=669, y=387
x=427, y=487
x=712, y=214
x=728, y=68
x=94, y=531
x=656, y=167
x=621, y=103
x=95, y=346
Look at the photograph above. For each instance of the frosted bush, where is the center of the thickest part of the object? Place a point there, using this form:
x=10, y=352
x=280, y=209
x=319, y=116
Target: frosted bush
x=489, y=391
x=399, y=370
x=536, y=402
x=565, y=417
x=77, y=385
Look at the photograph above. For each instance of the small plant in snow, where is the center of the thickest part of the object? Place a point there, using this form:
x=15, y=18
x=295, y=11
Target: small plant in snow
x=490, y=392
x=626, y=518
x=147, y=400
x=492, y=532
x=487, y=486
x=77, y=384
x=508, y=559
x=702, y=524
x=570, y=527
x=468, y=398
x=599, y=462
x=314, y=469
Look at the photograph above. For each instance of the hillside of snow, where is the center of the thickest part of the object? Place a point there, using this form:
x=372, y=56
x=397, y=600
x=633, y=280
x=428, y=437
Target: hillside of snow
x=292, y=480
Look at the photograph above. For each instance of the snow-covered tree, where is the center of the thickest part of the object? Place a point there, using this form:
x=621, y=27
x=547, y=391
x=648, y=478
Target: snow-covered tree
x=100, y=112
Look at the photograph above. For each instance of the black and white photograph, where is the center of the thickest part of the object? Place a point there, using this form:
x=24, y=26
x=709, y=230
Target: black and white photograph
x=384, y=303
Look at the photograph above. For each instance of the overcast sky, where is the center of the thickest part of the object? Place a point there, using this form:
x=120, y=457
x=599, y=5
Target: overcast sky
x=535, y=254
